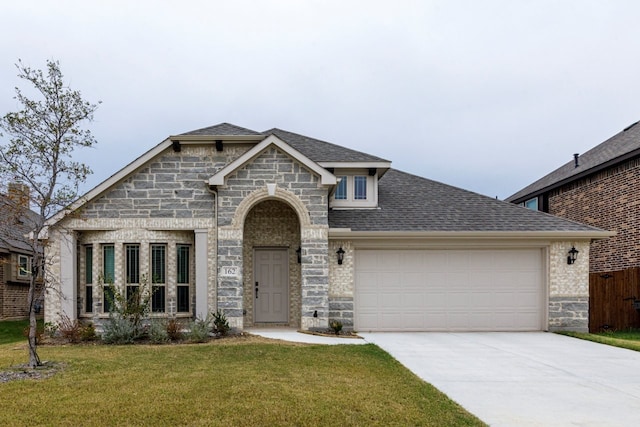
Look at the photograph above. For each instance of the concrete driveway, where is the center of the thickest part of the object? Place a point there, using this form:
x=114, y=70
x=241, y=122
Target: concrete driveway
x=525, y=379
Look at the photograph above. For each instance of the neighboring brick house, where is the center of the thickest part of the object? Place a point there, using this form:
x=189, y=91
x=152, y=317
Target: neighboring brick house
x=601, y=188
x=16, y=220
x=275, y=228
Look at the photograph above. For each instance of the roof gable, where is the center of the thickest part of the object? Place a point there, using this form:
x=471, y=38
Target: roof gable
x=326, y=178
x=618, y=148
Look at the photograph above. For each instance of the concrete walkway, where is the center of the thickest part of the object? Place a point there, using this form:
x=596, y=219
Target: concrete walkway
x=525, y=379
x=291, y=334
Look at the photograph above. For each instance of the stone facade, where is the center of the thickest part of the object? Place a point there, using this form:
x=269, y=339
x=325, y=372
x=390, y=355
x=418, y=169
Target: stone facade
x=301, y=190
x=272, y=224
x=342, y=280
x=569, y=288
x=609, y=199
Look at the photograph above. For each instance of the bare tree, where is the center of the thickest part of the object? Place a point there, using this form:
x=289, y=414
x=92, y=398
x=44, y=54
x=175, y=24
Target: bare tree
x=42, y=138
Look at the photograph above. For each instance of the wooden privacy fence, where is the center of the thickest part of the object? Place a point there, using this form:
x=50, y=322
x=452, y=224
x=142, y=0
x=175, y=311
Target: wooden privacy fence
x=614, y=300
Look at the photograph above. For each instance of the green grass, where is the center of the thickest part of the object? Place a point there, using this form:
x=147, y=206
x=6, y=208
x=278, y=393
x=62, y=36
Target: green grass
x=625, y=339
x=243, y=381
x=12, y=331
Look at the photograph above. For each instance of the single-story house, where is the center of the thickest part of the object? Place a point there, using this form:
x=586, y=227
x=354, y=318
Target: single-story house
x=276, y=228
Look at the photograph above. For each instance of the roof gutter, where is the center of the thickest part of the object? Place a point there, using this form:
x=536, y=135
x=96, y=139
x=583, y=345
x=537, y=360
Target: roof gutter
x=346, y=233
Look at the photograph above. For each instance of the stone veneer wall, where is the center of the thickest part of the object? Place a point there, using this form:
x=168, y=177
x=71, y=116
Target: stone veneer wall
x=168, y=193
x=341, y=288
x=272, y=224
x=120, y=238
x=300, y=189
x=569, y=288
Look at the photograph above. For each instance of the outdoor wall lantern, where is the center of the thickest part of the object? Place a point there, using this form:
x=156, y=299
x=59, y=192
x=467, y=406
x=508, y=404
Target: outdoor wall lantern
x=340, y=253
x=573, y=254
x=299, y=253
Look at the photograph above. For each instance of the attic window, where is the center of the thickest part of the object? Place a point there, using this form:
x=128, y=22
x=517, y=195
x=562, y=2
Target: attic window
x=355, y=191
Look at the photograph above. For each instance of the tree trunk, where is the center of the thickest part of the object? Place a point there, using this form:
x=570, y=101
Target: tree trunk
x=34, y=359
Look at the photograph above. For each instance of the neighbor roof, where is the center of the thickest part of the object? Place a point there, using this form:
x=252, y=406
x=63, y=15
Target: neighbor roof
x=411, y=203
x=15, y=224
x=620, y=147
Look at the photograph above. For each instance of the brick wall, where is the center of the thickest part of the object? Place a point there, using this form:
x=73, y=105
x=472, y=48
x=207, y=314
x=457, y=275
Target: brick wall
x=609, y=200
x=13, y=297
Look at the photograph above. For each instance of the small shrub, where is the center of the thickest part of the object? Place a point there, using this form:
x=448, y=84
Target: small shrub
x=158, y=332
x=88, y=332
x=120, y=330
x=199, y=330
x=70, y=330
x=173, y=329
x=336, y=326
x=51, y=329
x=220, y=323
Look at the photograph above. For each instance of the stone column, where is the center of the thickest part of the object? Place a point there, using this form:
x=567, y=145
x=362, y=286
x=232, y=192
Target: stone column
x=201, y=249
x=68, y=279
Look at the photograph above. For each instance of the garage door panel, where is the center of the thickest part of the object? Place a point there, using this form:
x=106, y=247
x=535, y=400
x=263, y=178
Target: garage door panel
x=456, y=290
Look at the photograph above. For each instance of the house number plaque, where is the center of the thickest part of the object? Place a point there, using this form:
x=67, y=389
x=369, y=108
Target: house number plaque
x=229, y=271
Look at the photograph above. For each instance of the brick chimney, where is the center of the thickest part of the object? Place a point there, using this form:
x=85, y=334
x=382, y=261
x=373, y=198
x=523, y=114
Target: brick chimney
x=19, y=194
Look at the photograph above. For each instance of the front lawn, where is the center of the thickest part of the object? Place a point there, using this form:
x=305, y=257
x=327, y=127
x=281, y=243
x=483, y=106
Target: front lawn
x=13, y=330
x=241, y=381
x=626, y=339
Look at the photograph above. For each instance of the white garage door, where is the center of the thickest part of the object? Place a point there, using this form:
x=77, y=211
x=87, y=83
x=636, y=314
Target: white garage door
x=449, y=290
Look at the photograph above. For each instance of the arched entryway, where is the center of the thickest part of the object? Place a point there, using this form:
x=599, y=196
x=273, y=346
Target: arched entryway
x=271, y=237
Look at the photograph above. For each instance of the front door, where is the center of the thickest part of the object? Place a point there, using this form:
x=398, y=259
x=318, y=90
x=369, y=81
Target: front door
x=271, y=285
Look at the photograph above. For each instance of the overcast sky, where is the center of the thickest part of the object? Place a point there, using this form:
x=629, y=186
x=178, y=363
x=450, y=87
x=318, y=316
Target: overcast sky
x=484, y=95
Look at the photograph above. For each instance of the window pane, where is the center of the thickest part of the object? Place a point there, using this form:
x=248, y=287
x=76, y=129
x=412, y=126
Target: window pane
x=108, y=298
x=133, y=263
x=341, y=191
x=183, y=299
x=360, y=187
x=158, y=263
x=108, y=264
x=157, y=299
x=132, y=293
x=183, y=264
x=23, y=262
x=88, y=299
x=88, y=264
x=532, y=204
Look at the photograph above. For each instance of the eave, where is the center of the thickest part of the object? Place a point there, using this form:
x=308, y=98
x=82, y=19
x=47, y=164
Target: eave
x=345, y=233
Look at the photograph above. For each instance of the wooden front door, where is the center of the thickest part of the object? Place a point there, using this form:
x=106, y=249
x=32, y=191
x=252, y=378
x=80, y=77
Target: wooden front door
x=271, y=285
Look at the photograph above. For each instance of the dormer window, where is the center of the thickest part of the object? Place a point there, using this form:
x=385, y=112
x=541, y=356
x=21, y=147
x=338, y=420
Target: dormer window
x=355, y=191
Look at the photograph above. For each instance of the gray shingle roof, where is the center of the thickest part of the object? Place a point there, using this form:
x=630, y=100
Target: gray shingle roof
x=223, y=129
x=618, y=147
x=15, y=223
x=322, y=151
x=411, y=203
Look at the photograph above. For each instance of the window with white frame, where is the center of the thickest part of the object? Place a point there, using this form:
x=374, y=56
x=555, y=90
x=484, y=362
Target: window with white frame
x=532, y=204
x=158, y=277
x=355, y=190
x=88, y=279
x=108, y=276
x=24, y=266
x=132, y=270
x=183, y=279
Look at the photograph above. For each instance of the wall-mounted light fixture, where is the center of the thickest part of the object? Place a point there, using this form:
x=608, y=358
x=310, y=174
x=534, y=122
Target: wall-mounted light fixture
x=573, y=254
x=340, y=253
x=299, y=254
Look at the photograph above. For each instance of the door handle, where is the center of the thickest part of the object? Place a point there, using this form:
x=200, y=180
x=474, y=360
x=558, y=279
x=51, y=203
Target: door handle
x=256, y=290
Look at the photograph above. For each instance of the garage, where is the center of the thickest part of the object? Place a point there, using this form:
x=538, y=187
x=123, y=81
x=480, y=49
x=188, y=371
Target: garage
x=449, y=290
